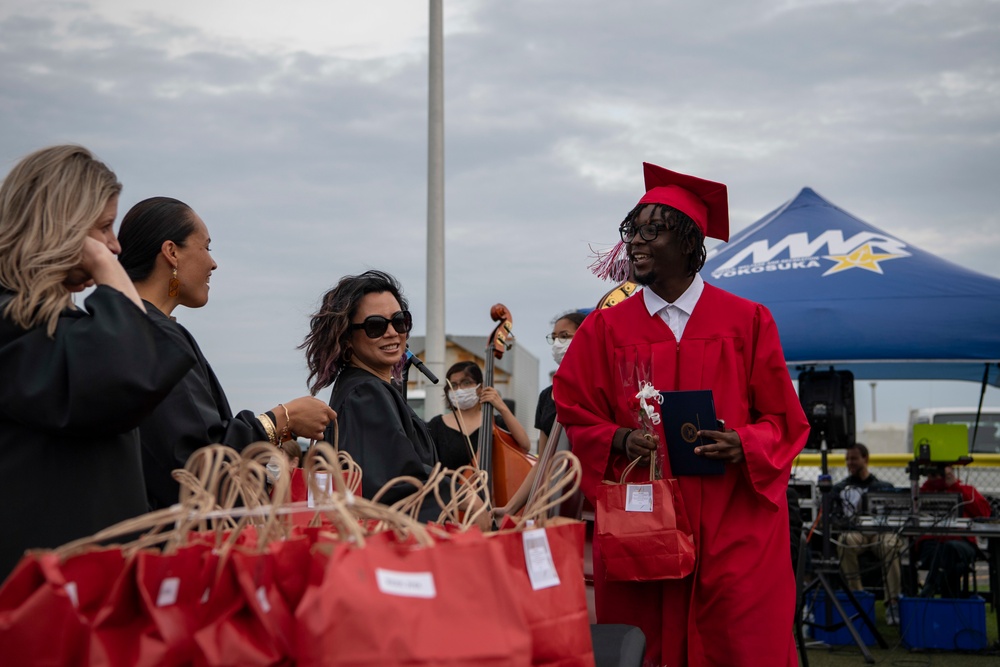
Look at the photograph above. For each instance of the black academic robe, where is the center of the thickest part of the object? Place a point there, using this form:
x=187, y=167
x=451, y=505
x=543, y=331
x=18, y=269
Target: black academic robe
x=452, y=448
x=545, y=411
x=383, y=434
x=196, y=413
x=69, y=411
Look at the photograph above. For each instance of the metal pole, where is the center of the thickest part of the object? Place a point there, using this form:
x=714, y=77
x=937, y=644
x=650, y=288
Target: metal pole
x=874, y=418
x=434, y=349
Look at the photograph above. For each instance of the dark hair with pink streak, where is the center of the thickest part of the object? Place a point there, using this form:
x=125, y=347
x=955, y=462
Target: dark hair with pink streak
x=327, y=351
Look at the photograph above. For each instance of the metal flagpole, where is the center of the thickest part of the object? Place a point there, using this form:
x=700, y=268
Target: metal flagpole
x=434, y=348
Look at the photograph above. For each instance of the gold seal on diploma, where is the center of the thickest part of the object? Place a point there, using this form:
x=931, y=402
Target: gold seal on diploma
x=689, y=432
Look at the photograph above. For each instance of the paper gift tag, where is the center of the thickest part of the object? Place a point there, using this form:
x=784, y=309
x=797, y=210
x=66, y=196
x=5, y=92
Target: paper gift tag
x=169, y=588
x=538, y=558
x=406, y=584
x=324, y=482
x=639, y=498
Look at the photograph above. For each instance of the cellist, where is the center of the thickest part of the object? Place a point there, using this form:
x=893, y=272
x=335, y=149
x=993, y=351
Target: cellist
x=563, y=328
x=456, y=432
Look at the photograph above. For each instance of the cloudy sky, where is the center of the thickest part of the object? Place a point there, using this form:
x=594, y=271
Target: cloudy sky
x=298, y=131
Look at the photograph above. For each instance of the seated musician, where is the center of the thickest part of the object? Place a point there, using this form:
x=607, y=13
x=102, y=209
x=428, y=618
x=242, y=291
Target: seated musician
x=455, y=429
x=947, y=558
x=886, y=546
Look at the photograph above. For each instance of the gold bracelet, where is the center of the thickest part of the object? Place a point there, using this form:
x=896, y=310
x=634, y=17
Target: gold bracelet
x=268, y=428
x=285, y=430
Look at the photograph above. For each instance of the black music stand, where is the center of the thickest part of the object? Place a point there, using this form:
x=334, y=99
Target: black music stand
x=823, y=398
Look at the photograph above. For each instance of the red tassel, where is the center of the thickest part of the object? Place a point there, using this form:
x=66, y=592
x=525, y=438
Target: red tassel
x=610, y=264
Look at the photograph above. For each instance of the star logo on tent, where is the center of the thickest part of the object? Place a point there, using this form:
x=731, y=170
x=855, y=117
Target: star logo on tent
x=861, y=258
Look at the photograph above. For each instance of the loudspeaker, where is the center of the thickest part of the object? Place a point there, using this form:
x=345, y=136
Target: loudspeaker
x=828, y=400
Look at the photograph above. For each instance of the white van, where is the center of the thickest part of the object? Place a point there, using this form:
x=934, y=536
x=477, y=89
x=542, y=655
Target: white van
x=987, y=438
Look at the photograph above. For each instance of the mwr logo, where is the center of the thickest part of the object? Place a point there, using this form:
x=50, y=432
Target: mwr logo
x=864, y=250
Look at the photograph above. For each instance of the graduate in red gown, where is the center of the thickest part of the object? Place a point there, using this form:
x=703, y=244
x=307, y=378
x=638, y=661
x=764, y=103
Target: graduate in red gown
x=680, y=333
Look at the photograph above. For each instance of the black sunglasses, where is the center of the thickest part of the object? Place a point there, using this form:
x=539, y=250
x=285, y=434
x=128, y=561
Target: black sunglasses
x=375, y=326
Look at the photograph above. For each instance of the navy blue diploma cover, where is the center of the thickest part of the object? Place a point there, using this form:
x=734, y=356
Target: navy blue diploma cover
x=684, y=413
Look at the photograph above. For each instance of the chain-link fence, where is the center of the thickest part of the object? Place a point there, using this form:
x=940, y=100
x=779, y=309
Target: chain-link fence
x=983, y=473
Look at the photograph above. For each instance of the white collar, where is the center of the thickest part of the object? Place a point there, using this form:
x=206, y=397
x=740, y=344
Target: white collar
x=685, y=302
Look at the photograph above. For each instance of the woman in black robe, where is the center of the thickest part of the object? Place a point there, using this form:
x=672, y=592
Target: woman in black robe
x=76, y=383
x=165, y=250
x=355, y=341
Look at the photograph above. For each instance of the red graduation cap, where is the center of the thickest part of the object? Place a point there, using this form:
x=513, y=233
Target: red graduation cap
x=703, y=201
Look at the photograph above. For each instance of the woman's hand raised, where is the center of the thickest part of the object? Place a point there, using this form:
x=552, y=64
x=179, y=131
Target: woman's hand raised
x=99, y=266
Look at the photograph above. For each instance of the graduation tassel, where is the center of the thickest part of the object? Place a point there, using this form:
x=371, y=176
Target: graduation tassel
x=610, y=264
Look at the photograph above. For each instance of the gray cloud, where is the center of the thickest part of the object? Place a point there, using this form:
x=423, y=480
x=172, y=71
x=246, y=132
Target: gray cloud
x=308, y=166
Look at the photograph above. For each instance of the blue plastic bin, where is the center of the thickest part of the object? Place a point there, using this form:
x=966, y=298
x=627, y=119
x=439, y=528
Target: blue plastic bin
x=816, y=600
x=943, y=623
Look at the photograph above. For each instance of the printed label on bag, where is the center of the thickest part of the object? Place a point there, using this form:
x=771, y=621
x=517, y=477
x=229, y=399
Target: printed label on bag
x=168, y=592
x=324, y=482
x=70, y=589
x=406, y=584
x=639, y=498
x=538, y=558
x=265, y=605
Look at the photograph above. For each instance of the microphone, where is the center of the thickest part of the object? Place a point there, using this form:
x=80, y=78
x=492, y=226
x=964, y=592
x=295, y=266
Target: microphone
x=415, y=360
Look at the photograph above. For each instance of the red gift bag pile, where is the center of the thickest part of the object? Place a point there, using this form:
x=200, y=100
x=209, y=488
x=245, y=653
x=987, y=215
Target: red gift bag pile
x=210, y=585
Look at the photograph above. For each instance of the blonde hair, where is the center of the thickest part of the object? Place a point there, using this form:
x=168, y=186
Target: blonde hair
x=48, y=204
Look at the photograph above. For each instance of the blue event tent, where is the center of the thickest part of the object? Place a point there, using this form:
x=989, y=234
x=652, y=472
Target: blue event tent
x=847, y=294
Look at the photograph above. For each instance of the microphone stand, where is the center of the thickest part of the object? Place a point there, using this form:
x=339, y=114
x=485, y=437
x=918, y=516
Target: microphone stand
x=828, y=567
x=414, y=360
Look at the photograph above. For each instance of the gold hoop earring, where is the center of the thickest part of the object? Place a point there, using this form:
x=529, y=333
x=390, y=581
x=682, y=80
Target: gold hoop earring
x=174, y=286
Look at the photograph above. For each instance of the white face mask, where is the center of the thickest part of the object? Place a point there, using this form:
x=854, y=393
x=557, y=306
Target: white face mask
x=463, y=399
x=559, y=347
x=273, y=469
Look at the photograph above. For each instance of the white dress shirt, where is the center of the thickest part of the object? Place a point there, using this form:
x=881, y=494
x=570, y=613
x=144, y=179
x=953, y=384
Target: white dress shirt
x=676, y=314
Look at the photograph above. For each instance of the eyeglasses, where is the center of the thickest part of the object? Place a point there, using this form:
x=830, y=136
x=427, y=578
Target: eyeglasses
x=648, y=231
x=467, y=383
x=552, y=338
x=375, y=326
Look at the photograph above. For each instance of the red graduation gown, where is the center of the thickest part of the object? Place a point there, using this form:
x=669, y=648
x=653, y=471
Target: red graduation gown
x=737, y=608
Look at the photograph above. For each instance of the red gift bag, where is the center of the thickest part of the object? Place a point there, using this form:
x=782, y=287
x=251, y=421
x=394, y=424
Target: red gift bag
x=390, y=603
x=555, y=607
x=250, y=621
x=151, y=613
x=292, y=560
x=642, y=530
x=298, y=489
x=47, y=605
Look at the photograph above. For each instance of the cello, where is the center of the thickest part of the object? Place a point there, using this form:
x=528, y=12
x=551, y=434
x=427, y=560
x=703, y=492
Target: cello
x=506, y=464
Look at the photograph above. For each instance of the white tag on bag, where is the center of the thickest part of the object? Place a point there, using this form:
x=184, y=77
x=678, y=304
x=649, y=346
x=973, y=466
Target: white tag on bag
x=406, y=584
x=538, y=558
x=639, y=498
